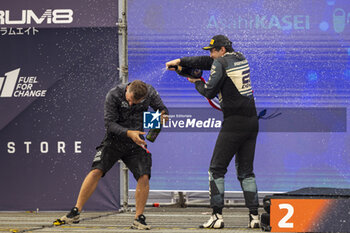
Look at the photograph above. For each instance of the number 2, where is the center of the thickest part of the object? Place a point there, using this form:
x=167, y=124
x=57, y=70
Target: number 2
x=283, y=223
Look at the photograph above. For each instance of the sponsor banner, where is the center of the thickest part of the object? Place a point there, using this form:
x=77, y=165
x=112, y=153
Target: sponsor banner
x=298, y=53
x=19, y=14
x=261, y=17
x=53, y=95
x=53, y=84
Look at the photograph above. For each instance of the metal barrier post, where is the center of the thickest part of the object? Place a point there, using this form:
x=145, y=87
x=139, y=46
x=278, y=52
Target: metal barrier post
x=124, y=76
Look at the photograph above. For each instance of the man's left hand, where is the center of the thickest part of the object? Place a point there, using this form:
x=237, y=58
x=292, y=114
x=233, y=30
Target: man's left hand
x=164, y=118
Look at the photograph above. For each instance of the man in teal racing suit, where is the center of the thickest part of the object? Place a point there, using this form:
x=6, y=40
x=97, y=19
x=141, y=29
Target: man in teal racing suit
x=230, y=80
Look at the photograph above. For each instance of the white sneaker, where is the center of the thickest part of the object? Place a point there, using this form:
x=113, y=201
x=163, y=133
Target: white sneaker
x=216, y=221
x=254, y=221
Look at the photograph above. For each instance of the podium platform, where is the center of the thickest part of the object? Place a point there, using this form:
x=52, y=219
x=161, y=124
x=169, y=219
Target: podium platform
x=309, y=209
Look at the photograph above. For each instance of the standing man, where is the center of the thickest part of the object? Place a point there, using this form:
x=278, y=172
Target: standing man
x=123, y=115
x=230, y=80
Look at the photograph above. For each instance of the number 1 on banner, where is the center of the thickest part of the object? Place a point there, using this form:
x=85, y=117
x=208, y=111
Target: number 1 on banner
x=296, y=215
x=9, y=83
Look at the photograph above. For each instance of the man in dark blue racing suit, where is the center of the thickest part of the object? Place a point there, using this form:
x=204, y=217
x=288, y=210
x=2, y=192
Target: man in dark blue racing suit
x=230, y=80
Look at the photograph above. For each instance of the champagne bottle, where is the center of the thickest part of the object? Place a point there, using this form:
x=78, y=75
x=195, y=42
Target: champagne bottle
x=153, y=134
x=187, y=71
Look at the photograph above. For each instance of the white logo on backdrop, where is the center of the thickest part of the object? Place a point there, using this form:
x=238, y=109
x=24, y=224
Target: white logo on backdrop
x=13, y=85
x=57, y=16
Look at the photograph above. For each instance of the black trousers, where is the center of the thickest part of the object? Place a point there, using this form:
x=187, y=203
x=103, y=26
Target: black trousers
x=237, y=137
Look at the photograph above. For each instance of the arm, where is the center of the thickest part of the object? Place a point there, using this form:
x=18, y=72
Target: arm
x=199, y=62
x=156, y=101
x=216, y=78
x=111, y=116
x=157, y=104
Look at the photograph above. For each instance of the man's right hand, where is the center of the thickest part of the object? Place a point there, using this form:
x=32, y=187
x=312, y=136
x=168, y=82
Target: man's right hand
x=193, y=80
x=175, y=62
x=135, y=136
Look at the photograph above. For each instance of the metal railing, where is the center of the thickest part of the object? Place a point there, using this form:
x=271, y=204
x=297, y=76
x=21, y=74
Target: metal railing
x=124, y=76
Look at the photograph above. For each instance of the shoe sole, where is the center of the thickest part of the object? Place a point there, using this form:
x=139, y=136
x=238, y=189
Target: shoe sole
x=256, y=225
x=138, y=227
x=60, y=222
x=222, y=225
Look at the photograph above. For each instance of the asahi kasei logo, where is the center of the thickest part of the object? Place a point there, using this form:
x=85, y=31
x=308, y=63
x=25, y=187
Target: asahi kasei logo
x=13, y=85
x=57, y=16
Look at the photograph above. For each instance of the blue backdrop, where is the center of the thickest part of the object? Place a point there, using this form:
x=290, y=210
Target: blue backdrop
x=299, y=53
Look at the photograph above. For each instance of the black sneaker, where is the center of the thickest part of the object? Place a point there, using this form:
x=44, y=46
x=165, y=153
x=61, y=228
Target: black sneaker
x=140, y=223
x=71, y=217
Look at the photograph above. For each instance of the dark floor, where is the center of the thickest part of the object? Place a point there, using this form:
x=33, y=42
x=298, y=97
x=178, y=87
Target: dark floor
x=162, y=219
